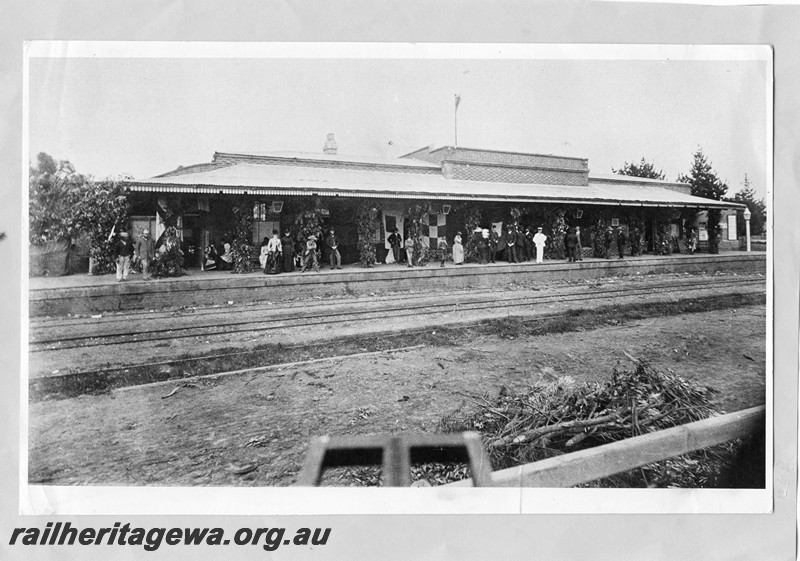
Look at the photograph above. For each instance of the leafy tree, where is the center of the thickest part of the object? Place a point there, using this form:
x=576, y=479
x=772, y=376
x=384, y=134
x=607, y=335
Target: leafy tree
x=64, y=203
x=100, y=208
x=758, y=210
x=52, y=187
x=642, y=169
x=706, y=184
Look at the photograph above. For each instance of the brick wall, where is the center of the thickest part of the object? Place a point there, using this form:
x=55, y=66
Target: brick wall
x=477, y=172
x=517, y=159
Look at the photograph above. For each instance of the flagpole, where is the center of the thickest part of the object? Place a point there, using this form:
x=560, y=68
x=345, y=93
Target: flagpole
x=455, y=119
x=456, y=127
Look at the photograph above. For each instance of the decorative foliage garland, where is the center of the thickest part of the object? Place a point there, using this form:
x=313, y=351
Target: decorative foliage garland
x=169, y=259
x=309, y=223
x=418, y=229
x=598, y=244
x=472, y=220
x=241, y=249
x=558, y=229
x=368, y=223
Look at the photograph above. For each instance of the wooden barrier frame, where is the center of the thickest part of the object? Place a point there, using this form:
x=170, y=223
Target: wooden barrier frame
x=606, y=460
x=395, y=452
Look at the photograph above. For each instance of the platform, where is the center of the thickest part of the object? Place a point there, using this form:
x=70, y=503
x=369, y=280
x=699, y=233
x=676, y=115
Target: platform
x=81, y=294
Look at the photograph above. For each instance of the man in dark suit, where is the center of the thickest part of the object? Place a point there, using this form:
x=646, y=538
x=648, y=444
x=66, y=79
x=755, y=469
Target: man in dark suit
x=608, y=237
x=571, y=243
x=511, y=243
x=395, y=241
x=333, y=248
x=494, y=240
x=621, y=239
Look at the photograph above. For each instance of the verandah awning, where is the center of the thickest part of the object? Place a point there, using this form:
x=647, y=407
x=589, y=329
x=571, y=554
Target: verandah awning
x=285, y=180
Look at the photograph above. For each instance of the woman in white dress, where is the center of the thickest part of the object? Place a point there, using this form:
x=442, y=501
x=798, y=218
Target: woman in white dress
x=262, y=258
x=458, y=250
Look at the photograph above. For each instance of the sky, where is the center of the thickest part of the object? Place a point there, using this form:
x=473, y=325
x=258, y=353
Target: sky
x=145, y=116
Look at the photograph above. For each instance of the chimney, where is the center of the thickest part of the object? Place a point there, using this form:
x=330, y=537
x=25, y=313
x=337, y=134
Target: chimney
x=330, y=145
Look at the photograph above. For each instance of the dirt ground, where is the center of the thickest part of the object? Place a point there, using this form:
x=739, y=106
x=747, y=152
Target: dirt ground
x=253, y=428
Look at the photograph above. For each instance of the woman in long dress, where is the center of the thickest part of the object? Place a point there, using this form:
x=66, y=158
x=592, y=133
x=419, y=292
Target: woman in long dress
x=287, y=248
x=458, y=250
x=226, y=257
x=262, y=257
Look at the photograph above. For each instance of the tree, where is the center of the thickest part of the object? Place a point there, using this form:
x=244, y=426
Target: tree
x=100, y=208
x=706, y=184
x=64, y=203
x=642, y=169
x=52, y=192
x=758, y=209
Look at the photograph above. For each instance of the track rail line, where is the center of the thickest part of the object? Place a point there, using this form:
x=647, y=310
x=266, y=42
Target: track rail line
x=300, y=319
x=49, y=381
x=126, y=316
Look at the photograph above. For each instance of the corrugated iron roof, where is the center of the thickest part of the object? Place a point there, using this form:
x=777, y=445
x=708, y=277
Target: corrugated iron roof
x=273, y=180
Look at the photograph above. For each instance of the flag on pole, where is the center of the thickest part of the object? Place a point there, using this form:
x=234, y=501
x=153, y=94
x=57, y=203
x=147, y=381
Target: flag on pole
x=458, y=100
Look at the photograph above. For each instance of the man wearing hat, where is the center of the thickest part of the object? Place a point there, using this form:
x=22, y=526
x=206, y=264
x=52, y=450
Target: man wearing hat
x=123, y=251
x=511, y=244
x=145, y=250
x=571, y=243
x=539, y=239
x=333, y=248
x=310, y=255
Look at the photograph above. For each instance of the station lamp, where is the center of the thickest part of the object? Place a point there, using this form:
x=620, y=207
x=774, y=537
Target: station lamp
x=747, y=215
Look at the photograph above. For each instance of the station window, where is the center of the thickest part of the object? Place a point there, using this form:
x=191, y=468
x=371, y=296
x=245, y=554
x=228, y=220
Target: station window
x=140, y=223
x=264, y=221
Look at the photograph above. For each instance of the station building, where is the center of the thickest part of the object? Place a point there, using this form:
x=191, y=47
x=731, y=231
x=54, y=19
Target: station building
x=451, y=183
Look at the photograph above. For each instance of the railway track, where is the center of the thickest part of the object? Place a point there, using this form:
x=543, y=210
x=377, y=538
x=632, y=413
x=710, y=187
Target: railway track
x=136, y=329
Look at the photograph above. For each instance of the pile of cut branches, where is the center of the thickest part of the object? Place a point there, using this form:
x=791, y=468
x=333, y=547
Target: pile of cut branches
x=560, y=417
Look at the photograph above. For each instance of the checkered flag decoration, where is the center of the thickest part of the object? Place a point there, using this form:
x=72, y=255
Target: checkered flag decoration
x=437, y=227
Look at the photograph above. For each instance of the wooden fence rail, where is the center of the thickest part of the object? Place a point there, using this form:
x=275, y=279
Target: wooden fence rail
x=587, y=465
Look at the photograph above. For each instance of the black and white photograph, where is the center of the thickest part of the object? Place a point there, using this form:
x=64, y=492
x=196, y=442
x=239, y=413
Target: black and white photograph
x=429, y=266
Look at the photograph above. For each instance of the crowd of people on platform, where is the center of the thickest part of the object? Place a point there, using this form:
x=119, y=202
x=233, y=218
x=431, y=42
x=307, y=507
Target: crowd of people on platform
x=280, y=254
